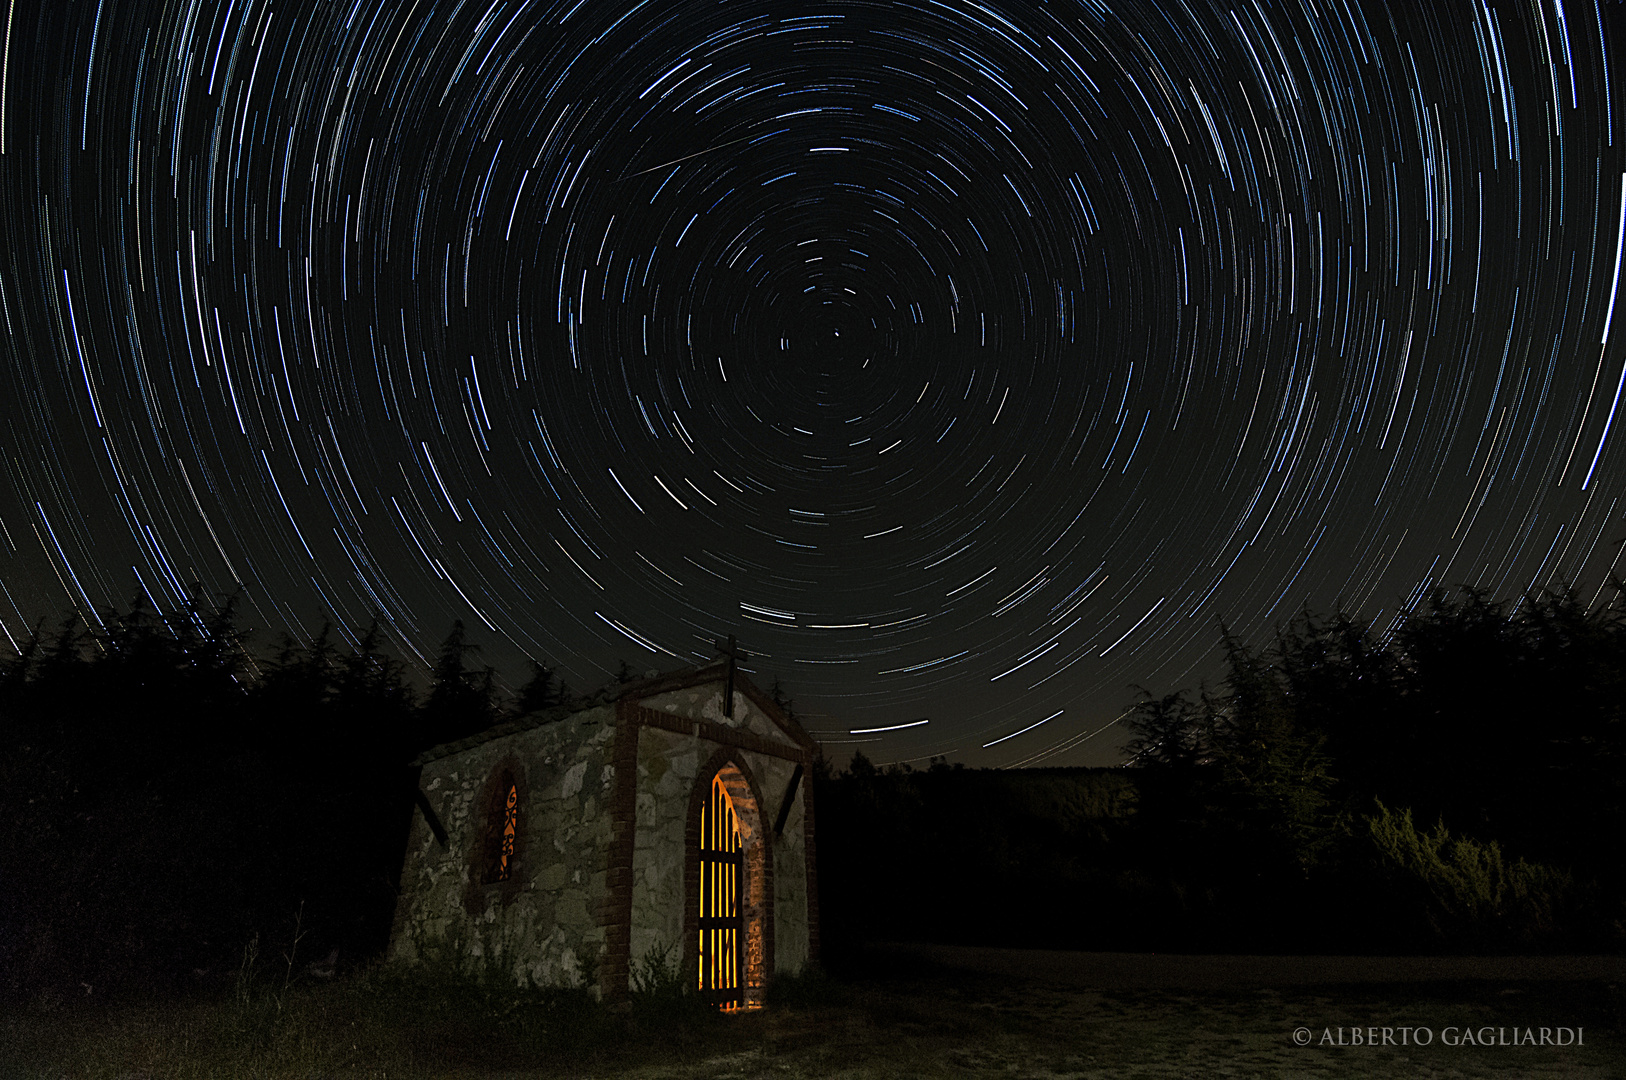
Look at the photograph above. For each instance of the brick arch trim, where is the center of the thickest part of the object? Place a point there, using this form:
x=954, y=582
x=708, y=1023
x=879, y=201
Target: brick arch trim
x=615, y=909
x=759, y=874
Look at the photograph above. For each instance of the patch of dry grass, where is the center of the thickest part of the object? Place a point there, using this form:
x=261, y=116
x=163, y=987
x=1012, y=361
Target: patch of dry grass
x=920, y=1023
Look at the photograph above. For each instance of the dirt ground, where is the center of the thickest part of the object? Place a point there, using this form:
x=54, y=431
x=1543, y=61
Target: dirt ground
x=1168, y=971
x=940, y=1011
x=922, y=1011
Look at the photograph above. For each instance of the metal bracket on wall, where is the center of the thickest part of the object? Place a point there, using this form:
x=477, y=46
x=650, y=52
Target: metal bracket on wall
x=434, y=821
x=787, y=801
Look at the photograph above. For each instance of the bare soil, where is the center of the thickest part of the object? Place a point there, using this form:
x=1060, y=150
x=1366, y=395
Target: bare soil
x=901, y=1011
x=1168, y=971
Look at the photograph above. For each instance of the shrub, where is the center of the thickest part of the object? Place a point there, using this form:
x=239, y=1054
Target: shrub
x=1468, y=889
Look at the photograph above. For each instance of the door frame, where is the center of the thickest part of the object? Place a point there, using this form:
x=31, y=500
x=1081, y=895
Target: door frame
x=756, y=877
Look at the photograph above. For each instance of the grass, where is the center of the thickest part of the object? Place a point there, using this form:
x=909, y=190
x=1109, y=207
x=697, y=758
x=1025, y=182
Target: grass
x=919, y=1022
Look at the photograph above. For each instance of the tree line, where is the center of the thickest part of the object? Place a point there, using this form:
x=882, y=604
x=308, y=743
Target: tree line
x=1457, y=781
x=172, y=795
x=1453, y=783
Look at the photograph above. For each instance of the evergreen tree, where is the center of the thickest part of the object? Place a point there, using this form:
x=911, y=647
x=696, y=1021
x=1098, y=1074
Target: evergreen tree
x=1274, y=773
x=461, y=701
x=540, y=691
x=782, y=699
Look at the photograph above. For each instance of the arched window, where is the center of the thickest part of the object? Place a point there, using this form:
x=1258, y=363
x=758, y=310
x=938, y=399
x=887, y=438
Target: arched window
x=502, y=830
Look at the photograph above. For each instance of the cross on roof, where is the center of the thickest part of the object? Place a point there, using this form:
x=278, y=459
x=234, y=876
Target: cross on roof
x=735, y=654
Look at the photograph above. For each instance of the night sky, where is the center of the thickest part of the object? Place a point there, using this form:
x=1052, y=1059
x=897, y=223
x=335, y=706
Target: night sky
x=969, y=361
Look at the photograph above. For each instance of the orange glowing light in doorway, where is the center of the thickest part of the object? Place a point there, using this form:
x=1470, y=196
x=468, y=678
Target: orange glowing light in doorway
x=722, y=901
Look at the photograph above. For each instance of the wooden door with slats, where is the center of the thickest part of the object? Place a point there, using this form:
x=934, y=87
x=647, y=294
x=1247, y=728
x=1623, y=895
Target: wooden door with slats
x=722, y=901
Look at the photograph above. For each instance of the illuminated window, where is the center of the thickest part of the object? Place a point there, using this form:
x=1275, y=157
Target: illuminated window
x=502, y=829
x=722, y=901
x=510, y=817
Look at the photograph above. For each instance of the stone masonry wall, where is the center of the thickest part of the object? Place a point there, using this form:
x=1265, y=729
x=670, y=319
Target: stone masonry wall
x=705, y=702
x=555, y=921
x=543, y=926
x=791, y=940
x=668, y=769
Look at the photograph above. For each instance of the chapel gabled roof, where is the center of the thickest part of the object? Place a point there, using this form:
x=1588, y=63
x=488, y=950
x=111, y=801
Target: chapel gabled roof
x=637, y=689
x=717, y=671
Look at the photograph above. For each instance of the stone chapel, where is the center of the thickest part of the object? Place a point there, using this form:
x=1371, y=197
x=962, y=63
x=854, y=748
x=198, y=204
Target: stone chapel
x=666, y=823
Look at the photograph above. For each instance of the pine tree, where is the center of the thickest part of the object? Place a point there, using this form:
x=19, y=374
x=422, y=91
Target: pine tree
x=461, y=701
x=539, y=692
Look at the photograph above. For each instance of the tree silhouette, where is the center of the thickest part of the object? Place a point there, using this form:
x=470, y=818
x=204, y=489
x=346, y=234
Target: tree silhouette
x=541, y=691
x=782, y=699
x=461, y=701
x=169, y=795
x=1503, y=721
x=1170, y=733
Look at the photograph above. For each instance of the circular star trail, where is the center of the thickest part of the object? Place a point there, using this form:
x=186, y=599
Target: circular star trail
x=969, y=361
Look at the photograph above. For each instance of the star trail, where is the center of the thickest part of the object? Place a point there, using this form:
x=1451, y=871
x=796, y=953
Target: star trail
x=970, y=361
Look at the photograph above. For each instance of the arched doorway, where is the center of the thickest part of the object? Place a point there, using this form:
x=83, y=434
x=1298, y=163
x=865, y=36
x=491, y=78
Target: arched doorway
x=722, y=900
x=729, y=903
